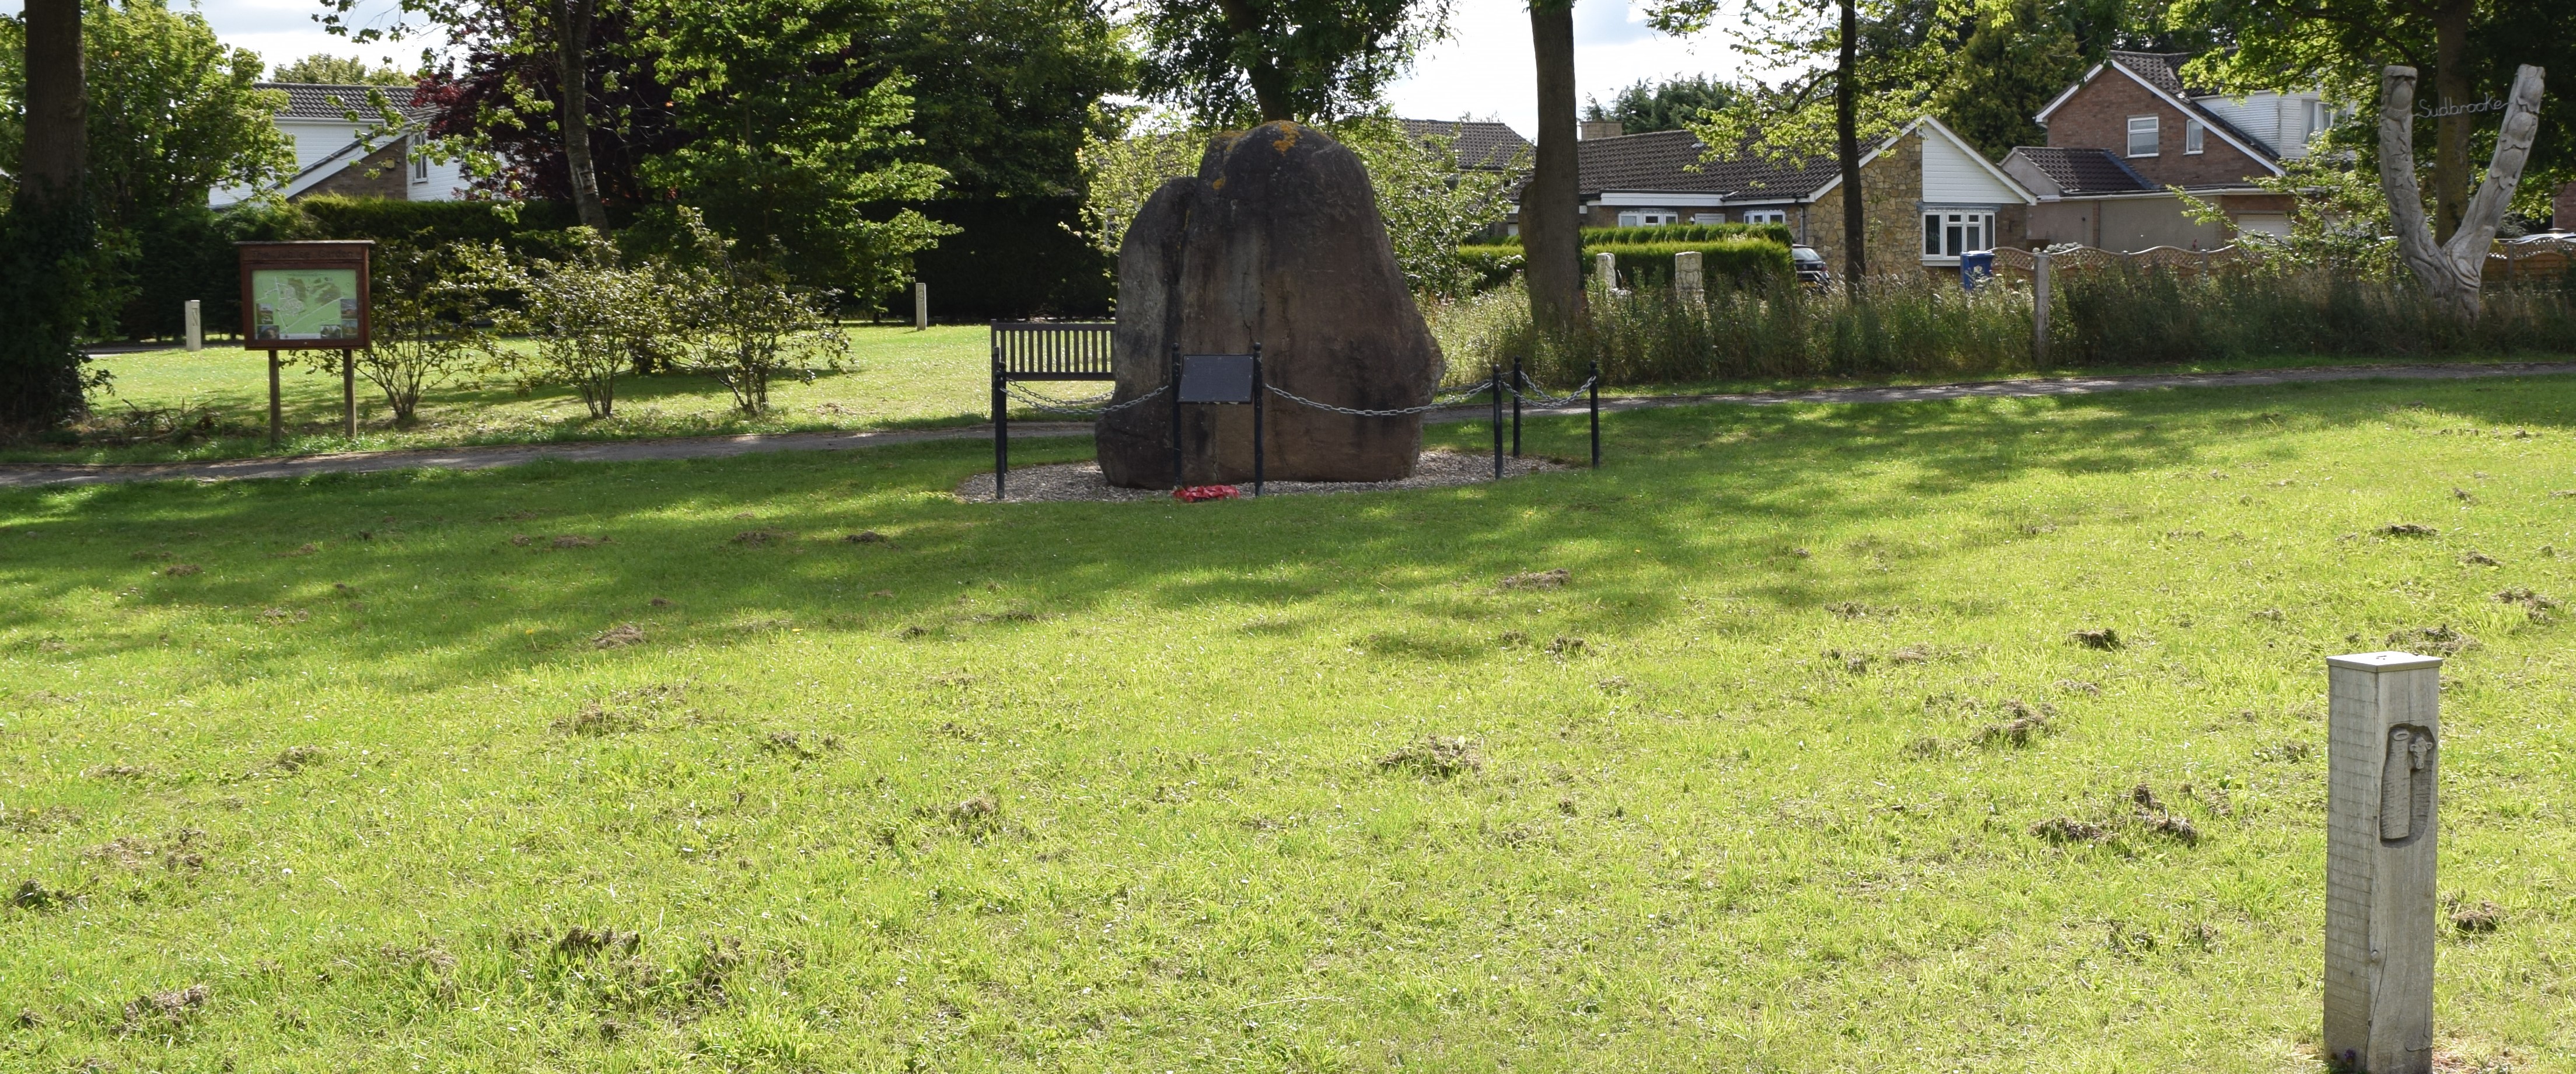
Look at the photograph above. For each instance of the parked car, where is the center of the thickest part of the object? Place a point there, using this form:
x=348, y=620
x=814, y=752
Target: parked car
x=1810, y=265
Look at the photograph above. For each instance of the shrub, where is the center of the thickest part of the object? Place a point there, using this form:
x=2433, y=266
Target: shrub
x=588, y=313
x=1603, y=236
x=1492, y=266
x=744, y=323
x=428, y=326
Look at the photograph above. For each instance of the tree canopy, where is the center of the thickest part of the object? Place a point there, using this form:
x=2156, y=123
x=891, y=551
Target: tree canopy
x=330, y=70
x=1232, y=63
x=1668, y=105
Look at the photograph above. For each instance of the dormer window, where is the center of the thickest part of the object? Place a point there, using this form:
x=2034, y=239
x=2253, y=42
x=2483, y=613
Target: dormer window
x=2191, y=132
x=2142, y=136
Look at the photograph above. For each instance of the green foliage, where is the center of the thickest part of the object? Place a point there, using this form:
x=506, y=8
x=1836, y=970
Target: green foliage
x=1667, y=105
x=50, y=265
x=1014, y=258
x=329, y=70
x=589, y=314
x=1901, y=62
x=1430, y=204
x=1770, y=327
x=183, y=252
x=744, y=323
x=1600, y=236
x=1005, y=92
x=530, y=226
x=1493, y=264
x=1241, y=62
x=2339, y=222
x=791, y=151
x=430, y=324
x=2018, y=57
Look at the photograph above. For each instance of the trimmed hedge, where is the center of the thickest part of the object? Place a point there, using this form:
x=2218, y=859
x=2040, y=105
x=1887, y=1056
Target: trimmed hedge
x=1741, y=261
x=1013, y=258
x=1605, y=236
x=1494, y=265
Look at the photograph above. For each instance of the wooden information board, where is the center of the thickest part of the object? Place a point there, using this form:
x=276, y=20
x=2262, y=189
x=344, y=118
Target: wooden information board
x=304, y=296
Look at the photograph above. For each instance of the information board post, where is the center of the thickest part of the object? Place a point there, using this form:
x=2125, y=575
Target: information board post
x=308, y=296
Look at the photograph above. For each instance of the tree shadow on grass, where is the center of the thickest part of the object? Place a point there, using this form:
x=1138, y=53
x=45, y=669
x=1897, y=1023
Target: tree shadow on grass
x=526, y=565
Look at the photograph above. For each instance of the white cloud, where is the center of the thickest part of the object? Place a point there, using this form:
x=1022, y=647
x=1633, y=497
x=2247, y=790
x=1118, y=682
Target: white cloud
x=283, y=31
x=1486, y=70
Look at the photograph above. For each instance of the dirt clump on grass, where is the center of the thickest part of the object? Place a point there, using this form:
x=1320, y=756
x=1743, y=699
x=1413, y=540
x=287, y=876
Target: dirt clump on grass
x=2097, y=638
x=2408, y=529
x=573, y=541
x=759, y=538
x=868, y=537
x=2482, y=918
x=1434, y=756
x=2437, y=639
x=2475, y=558
x=2534, y=604
x=1547, y=579
x=1911, y=654
x=173, y=1008
x=295, y=758
x=580, y=942
x=2026, y=726
x=618, y=637
x=32, y=895
x=181, y=570
x=39, y=821
x=2064, y=830
x=795, y=745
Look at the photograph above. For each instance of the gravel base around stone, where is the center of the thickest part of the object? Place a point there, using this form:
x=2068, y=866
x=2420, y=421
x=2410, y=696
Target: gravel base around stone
x=1081, y=481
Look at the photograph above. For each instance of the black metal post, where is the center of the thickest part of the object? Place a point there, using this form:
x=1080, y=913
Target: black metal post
x=1596, y=413
x=1518, y=379
x=1001, y=422
x=1175, y=385
x=1494, y=380
x=1258, y=390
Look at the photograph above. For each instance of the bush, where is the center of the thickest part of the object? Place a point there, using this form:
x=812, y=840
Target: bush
x=588, y=313
x=1012, y=258
x=1603, y=236
x=1744, y=261
x=1775, y=328
x=744, y=324
x=1493, y=266
x=427, y=324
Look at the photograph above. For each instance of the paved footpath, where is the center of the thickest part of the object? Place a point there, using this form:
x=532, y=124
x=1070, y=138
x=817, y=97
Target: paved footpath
x=30, y=475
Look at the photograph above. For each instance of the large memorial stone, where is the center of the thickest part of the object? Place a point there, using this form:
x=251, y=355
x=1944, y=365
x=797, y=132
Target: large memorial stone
x=1276, y=241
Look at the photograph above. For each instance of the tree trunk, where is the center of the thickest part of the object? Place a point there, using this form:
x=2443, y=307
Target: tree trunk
x=2451, y=129
x=573, y=20
x=1551, y=205
x=57, y=147
x=1268, y=92
x=2450, y=270
x=1847, y=152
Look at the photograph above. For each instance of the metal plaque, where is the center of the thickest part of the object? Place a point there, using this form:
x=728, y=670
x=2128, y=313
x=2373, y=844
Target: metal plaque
x=1216, y=378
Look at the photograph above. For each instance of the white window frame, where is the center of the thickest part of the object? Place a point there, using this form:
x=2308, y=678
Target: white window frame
x=1950, y=231
x=2321, y=118
x=1766, y=216
x=2192, y=132
x=2153, y=128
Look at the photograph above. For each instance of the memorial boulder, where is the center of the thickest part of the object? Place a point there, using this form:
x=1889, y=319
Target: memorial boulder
x=1276, y=241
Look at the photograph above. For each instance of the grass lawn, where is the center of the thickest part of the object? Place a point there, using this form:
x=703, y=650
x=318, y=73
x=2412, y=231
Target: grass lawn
x=893, y=378
x=646, y=767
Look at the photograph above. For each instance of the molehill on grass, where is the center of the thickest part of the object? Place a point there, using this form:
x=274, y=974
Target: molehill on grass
x=1276, y=241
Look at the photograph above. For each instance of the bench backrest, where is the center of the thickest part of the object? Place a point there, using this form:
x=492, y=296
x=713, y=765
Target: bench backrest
x=1045, y=350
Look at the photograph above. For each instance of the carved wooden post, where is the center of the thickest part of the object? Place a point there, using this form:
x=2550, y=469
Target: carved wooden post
x=1688, y=284
x=1605, y=271
x=194, y=316
x=2384, y=729
x=2039, y=310
x=2452, y=271
x=920, y=306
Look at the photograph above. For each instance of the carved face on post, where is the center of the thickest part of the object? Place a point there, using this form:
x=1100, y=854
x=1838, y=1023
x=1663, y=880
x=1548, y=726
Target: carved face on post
x=2406, y=784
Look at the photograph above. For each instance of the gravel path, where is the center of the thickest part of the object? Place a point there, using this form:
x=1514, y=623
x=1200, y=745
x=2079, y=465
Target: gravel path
x=30, y=475
x=1060, y=482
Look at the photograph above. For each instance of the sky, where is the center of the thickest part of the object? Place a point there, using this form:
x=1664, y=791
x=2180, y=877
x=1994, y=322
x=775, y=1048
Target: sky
x=1484, y=70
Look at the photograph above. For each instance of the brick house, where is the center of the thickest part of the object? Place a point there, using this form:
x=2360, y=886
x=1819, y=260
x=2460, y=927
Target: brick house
x=1928, y=195
x=2126, y=133
x=341, y=148
x=1482, y=146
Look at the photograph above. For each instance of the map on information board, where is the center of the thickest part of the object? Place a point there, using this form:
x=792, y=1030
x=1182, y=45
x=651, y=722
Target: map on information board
x=305, y=303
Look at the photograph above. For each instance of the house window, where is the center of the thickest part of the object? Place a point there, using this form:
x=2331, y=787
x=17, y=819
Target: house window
x=2321, y=118
x=1649, y=217
x=1708, y=218
x=1766, y=216
x=1948, y=233
x=2191, y=132
x=2142, y=136
x=420, y=169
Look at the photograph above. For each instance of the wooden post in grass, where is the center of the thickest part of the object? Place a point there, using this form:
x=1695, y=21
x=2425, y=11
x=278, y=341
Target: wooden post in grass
x=2383, y=720
x=920, y=306
x=196, y=322
x=2039, y=310
x=1688, y=284
x=349, y=394
x=1605, y=271
x=276, y=410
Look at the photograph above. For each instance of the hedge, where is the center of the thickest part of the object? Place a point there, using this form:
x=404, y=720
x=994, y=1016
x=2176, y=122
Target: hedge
x=1736, y=260
x=1014, y=258
x=1604, y=236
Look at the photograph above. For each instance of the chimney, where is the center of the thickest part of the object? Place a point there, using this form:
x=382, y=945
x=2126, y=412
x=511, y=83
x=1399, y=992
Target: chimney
x=1598, y=128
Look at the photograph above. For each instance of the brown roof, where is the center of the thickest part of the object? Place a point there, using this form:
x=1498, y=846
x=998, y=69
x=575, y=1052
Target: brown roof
x=1669, y=162
x=1480, y=145
x=310, y=100
x=2084, y=171
x=2163, y=70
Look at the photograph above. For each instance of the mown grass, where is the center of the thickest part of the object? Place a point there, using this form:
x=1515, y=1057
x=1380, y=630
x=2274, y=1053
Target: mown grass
x=689, y=781
x=892, y=378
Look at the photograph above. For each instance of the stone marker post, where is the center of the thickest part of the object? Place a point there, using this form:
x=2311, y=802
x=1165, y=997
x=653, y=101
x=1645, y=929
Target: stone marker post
x=2383, y=729
x=920, y=306
x=1605, y=271
x=2039, y=309
x=1687, y=281
x=196, y=326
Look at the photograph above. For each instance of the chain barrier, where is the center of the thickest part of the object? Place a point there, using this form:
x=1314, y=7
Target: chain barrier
x=1077, y=407
x=1436, y=403
x=1539, y=395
